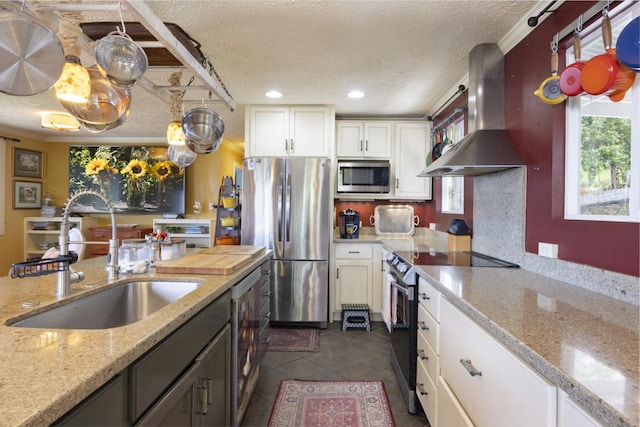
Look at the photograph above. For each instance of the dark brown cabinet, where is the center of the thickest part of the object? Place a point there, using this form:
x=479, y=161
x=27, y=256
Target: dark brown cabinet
x=103, y=234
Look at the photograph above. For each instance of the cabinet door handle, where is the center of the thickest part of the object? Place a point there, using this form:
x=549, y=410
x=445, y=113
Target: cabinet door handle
x=360, y=145
x=337, y=273
x=291, y=145
x=397, y=183
x=423, y=326
x=203, y=399
x=421, y=389
x=470, y=368
x=366, y=145
x=209, y=387
x=422, y=356
x=424, y=296
x=286, y=145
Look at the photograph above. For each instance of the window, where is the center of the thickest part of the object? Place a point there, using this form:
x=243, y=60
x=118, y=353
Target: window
x=453, y=186
x=602, y=170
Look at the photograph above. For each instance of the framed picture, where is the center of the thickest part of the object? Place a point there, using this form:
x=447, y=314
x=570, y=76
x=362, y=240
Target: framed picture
x=135, y=179
x=27, y=163
x=27, y=195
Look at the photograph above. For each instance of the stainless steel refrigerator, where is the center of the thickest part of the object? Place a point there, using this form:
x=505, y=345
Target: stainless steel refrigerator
x=286, y=205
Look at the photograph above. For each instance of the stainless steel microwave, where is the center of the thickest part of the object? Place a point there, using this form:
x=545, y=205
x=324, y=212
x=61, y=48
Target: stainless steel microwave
x=370, y=176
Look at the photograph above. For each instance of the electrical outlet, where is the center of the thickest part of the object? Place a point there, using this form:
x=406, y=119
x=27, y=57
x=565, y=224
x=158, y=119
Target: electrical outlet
x=432, y=225
x=549, y=250
x=210, y=206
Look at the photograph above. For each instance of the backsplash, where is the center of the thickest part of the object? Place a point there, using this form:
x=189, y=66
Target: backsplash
x=366, y=210
x=498, y=216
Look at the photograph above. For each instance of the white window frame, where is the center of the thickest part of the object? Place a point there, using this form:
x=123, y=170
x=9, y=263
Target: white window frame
x=454, y=184
x=573, y=141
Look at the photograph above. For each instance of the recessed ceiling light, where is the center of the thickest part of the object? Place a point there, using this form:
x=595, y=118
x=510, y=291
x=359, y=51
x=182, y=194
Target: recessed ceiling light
x=273, y=94
x=356, y=94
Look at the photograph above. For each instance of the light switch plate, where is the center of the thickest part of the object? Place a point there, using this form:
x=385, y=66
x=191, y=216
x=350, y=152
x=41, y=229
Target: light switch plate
x=549, y=250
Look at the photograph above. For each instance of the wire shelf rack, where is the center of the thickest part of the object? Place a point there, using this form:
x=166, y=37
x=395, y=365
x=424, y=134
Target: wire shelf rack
x=41, y=266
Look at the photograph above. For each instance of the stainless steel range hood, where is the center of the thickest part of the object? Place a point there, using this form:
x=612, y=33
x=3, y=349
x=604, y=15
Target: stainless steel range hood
x=487, y=148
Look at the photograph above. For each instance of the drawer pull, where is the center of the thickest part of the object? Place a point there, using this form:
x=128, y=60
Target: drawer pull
x=421, y=389
x=469, y=367
x=424, y=297
x=203, y=400
x=354, y=252
x=422, y=356
x=423, y=326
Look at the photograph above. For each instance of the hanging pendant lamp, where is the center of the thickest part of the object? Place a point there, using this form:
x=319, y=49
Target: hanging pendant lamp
x=74, y=84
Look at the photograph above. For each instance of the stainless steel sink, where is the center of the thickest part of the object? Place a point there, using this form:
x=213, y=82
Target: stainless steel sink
x=118, y=306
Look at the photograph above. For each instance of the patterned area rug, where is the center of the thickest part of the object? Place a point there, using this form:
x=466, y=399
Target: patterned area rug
x=294, y=339
x=331, y=404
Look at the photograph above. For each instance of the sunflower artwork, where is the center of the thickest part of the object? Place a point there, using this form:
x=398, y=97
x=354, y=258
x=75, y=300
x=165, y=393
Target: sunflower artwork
x=134, y=179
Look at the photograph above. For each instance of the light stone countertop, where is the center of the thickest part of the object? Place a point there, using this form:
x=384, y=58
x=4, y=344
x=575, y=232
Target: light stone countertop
x=45, y=373
x=584, y=342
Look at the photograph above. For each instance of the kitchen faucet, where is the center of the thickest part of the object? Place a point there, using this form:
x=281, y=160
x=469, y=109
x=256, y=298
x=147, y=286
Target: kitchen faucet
x=63, y=288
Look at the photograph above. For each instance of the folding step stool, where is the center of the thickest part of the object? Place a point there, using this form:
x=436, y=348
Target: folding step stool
x=355, y=316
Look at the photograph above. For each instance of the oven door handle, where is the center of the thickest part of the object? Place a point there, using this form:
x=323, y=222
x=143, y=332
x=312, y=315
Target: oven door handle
x=408, y=290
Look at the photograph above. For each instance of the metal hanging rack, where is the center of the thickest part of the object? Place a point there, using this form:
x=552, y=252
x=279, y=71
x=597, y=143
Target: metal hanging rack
x=595, y=10
x=204, y=71
x=447, y=120
x=461, y=89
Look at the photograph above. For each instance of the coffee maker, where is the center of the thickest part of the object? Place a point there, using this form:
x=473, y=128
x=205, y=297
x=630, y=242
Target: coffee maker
x=349, y=223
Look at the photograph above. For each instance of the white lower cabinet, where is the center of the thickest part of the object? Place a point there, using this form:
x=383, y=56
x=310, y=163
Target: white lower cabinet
x=428, y=346
x=570, y=414
x=354, y=274
x=494, y=386
x=449, y=412
x=358, y=276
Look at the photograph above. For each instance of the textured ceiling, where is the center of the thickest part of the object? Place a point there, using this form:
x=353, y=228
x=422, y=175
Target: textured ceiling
x=407, y=56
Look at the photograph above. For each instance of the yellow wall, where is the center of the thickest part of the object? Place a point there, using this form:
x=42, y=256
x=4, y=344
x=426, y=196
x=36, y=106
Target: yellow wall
x=203, y=178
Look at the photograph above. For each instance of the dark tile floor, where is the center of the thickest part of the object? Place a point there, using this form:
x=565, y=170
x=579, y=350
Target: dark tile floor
x=351, y=355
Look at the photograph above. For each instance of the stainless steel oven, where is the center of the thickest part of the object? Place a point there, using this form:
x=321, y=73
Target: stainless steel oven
x=401, y=283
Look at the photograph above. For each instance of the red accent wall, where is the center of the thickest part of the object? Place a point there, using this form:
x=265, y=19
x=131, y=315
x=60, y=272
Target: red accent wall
x=538, y=132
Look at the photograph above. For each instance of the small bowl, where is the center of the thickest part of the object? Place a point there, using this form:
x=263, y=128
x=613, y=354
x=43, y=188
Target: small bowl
x=229, y=202
x=229, y=221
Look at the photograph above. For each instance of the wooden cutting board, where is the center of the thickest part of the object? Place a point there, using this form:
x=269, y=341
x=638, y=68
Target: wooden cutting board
x=201, y=263
x=234, y=249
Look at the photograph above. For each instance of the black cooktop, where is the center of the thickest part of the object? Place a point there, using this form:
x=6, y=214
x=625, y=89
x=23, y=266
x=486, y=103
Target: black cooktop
x=461, y=258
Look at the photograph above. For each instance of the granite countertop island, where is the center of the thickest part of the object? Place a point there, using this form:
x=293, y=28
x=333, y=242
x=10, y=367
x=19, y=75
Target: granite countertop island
x=584, y=342
x=45, y=373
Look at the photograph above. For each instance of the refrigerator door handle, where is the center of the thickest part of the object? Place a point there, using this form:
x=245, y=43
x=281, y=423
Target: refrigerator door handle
x=280, y=189
x=287, y=207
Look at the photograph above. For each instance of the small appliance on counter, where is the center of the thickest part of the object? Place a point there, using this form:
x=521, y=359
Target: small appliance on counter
x=349, y=223
x=459, y=238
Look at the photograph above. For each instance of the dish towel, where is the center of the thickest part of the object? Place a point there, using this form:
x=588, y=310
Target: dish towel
x=386, y=301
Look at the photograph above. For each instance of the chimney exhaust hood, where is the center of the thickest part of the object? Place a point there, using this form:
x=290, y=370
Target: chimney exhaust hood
x=487, y=148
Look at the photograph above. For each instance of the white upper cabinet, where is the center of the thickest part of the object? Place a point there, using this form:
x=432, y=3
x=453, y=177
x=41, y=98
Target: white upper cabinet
x=411, y=149
x=283, y=131
x=364, y=139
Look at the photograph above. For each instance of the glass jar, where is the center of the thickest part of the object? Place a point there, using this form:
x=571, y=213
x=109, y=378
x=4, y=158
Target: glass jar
x=133, y=251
